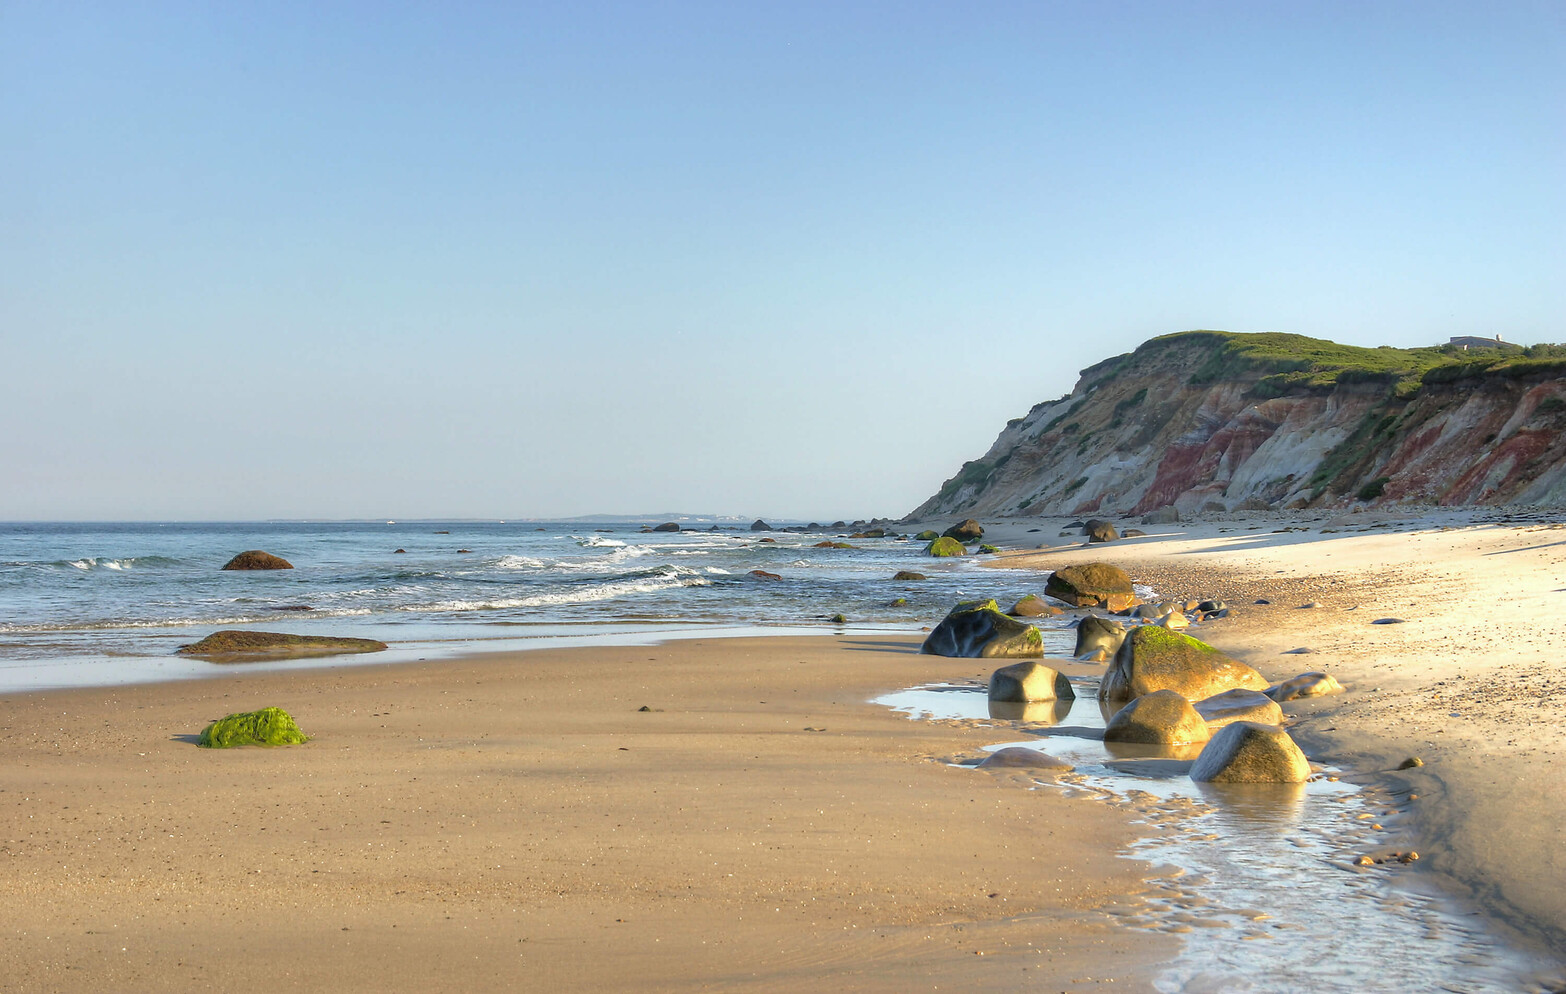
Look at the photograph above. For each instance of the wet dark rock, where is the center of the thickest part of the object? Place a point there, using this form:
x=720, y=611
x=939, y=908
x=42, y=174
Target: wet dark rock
x=399, y=552
x=760, y=526
x=977, y=629
x=908, y=574
x=668, y=526
x=256, y=559
x=762, y=574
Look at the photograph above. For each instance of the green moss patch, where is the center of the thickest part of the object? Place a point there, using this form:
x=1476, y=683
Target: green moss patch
x=268, y=727
x=945, y=547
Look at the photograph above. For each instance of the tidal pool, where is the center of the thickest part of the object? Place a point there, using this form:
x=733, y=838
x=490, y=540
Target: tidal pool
x=1260, y=881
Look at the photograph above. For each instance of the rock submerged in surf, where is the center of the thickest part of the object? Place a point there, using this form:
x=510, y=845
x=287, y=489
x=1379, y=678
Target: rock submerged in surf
x=1160, y=718
x=1153, y=658
x=256, y=559
x=241, y=646
x=977, y=629
x=1025, y=683
x=945, y=546
x=1250, y=752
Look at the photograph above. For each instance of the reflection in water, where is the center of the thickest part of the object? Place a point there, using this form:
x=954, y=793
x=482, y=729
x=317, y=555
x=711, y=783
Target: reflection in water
x=1033, y=712
x=1260, y=879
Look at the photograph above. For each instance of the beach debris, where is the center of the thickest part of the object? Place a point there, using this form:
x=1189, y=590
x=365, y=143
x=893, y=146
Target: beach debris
x=967, y=530
x=1030, y=681
x=977, y=629
x=1410, y=763
x=268, y=727
x=1092, y=585
x=1099, y=637
x=1250, y=752
x=761, y=526
x=233, y=646
x=1238, y=705
x=762, y=574
x=1153, y=658
x=1033, y=606
x=945, y=546
x=256, y=559
x=1099, y=530
x=1022, y=758
x=1162, y=717
x=1312, y=684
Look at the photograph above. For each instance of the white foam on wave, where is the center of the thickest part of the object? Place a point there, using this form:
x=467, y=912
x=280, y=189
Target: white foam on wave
x=718, y=571
x=519, y=562
x=668, y=578
x=87, y=564
x=598, y=542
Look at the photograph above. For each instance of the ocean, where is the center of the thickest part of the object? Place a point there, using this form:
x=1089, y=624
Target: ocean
x=98, y=604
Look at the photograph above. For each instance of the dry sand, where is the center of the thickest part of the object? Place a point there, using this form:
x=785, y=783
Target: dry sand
x=1472, y=682
x=515, y=822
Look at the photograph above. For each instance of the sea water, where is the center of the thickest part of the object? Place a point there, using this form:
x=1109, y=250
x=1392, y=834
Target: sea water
x=99, y=604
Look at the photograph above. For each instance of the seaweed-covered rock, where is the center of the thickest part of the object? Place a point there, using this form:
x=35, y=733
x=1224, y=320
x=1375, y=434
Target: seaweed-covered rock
x=832, y=545
x=945, y=546
x=1314, y=684
x=1025, y=682
x=268, y=727
x=1095, y=635
x=1033, y=606
x=241, y=646
x=926, y=536
x=256, y=559
x=1250, y=752
x=968, y=530
x=990, y=550
x=1092, y=585
x=977, y=629
x=1153, y=658
x=1160, y=718
x=1238, y=705
x=908, y=574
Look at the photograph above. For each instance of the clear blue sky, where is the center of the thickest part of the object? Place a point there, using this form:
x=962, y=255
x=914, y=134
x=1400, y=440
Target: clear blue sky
x=784, y=259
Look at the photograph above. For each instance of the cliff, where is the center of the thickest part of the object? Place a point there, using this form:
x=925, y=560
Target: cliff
x=1210, y=421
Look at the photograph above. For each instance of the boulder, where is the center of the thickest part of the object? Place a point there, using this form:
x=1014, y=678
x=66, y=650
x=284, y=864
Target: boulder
x=1160, y=718
x=832, y=545
x=1133, y=533
x=926, y=536
x=668, y=526
x=1022, y=683
x=1153, y=658
x=1098, y=530
x=1174, y=621
x=256, y=559
x=1022, y=758
x=1092, y=585
x=1313, y=684
x=1095, y=634
x=1238, y=705
x=965, y=531
x=945, y=546
x=241, y=646
x=1033, y=606
x=1153, y=610
x=1250, y=752
x=761, y=526
x=908, y=574
x=762, y=574
x=1166, y=515
x=870, y=533
x=977, y=629
x=268, y=726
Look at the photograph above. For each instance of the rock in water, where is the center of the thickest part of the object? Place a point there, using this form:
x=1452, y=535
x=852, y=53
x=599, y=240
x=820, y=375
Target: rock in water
x=239, y=646
x=668, y=526
x=908, y=574
x=1314, y=684
x=965, y=531
x=1022, y=758
x=760, y=526
x=926, y=536
x=977, y=629
x=1238, y=705
x=1095, y=634
x=268, y=726
x=1250, y=752
x=256, y=559
x=762, y=574
x=1160, y=718
x=1033, y=606
x=945, y=546
x=1092, y=585
x=1022, y=683
x=1153, y=658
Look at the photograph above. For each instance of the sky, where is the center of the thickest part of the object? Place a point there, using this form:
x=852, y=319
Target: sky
x=793, y=260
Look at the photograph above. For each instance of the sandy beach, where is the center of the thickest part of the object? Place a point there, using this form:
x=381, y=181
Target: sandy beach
x=1470, y=682
x=520, y=822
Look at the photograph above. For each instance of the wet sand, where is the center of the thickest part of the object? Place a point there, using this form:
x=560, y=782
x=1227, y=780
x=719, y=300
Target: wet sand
x=1471, y=682
x=516, y=822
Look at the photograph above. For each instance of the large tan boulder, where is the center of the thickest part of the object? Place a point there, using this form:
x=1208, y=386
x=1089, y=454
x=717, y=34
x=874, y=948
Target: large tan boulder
x=977, y=629
x=1250, y=752
x=1095, y=634
x=1238, y=705
x=1092, y=585
x=1025, y=682
x=256, y=559
x=1153, y=658
x=1160, y=718
x=1305, y=685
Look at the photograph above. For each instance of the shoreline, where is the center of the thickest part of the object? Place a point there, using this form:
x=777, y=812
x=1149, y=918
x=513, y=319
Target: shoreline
x=1466, y=678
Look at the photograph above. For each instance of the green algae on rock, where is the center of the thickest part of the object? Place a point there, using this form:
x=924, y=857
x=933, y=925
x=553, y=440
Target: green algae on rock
x=944, y=546
x=1153, y=658
x=233, y=646
x=268, y=727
